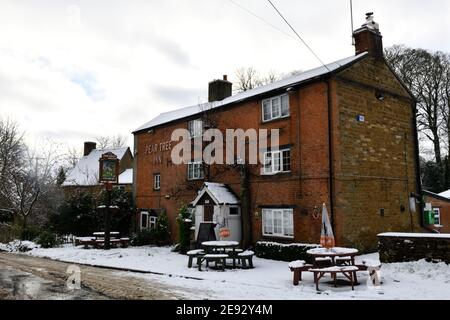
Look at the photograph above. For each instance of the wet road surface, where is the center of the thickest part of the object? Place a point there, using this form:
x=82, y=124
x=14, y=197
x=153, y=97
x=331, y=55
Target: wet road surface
x=24, y=277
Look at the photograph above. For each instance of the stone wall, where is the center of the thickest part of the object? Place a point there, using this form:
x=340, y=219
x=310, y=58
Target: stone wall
x=413, y=247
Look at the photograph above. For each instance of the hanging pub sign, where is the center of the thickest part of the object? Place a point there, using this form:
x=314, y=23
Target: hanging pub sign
x=109, y=168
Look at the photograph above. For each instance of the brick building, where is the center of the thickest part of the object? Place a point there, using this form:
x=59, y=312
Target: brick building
x=440, y=205
x=347, y=138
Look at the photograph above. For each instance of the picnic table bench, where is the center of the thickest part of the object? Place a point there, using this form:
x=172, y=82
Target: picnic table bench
x=297, y=267
x=347, y=271
x=216, y=258
x=98, y=240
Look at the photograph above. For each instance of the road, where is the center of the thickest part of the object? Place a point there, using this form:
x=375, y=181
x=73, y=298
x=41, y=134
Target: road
x=24, y=277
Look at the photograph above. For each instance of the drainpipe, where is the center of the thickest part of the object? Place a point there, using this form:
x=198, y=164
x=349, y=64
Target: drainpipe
x=330, y=152
x=418, y=182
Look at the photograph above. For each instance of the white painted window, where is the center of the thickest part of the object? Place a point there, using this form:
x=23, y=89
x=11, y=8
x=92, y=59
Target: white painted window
x=195, y=128
x=274, y=108
x=157, y=181
x=152, y=222
x=195, y=170
x=437, y=216
x=234, y=211
x=277, y=161
x=278, y=222
x=144, y=220
x=147, y=221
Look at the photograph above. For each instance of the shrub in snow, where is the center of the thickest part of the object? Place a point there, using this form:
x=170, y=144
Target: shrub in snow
x=184, y=229
x=18, y=246
x=143, y=238
x=29, y=233
x=284, y=252
x=162, y=233
x=48, y=239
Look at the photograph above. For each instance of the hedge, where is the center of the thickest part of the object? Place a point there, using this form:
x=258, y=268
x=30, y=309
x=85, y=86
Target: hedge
x=284, y=252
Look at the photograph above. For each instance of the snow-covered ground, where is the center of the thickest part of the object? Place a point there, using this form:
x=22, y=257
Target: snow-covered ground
x=268, y=280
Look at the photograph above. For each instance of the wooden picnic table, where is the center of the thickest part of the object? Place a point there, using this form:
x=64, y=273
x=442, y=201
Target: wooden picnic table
x=347, y=266
x=333, y=254
x=220, y=248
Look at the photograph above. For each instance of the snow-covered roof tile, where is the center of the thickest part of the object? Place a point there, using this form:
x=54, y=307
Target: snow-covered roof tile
x=170, y=116
x=126, y=177
x=445, y=194
x=219, y=192
x=85, y=173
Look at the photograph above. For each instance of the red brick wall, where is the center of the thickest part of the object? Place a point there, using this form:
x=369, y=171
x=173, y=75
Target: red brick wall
x=305, y=187
x=444, y=207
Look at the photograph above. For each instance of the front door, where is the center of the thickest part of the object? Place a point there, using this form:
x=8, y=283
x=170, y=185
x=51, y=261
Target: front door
x=208, y=213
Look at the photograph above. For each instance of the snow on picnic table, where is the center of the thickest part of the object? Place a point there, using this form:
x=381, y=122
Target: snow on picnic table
x=269, y=280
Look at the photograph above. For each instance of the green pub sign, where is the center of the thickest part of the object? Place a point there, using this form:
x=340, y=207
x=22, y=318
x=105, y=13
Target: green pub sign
x=109, y=168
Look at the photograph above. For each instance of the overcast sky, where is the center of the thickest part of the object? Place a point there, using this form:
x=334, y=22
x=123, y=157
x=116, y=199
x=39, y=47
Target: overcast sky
x=73, y=70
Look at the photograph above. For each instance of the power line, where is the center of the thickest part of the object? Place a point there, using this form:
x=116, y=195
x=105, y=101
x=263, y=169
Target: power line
x=296, y=33
x=262, y=19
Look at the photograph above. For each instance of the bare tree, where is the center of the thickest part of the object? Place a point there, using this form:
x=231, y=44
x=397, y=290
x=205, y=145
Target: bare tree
x=445, y=96
x=249, y=78
x=11, y=148
x=111, y=142
x=424, y=73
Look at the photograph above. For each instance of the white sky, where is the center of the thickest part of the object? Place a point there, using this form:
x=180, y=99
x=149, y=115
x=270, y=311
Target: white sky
x=74, y=70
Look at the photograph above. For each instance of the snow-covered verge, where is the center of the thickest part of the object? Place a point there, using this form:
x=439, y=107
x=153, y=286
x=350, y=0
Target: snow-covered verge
x=268, y=280
x=18, y=246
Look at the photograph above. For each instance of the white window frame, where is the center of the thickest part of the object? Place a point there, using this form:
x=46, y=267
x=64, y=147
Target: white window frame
x=270, y=214
x=195, y=128
x=191, y=168
x=437, y=215
x=151, y=221
x=238, y=211
x=144, y=213
x=157, y=181
x=274, y=162
x=276, y=108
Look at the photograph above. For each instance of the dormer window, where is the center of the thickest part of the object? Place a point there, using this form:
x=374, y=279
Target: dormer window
x=195, y=128
x=275, y=108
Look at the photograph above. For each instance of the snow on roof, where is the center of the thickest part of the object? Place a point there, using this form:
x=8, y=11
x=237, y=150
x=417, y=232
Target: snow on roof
x=445, y=194
x=286, y=82
x=85, y=173
x=126, y=177
x=219, y=192
x=415, y=235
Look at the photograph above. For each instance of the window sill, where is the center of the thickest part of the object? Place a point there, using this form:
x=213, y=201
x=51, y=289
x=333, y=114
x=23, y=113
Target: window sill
x=199, y=179
x=278, y=237
x=275, y=120
x=276, y=174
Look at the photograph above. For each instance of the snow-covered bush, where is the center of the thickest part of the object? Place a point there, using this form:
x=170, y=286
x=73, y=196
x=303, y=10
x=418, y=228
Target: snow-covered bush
x=18, y=246
x=284, y=252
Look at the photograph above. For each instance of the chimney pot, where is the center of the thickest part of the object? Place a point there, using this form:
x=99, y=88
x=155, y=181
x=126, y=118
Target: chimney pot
x=88, y=147
x=368, y=38
x=219, y=89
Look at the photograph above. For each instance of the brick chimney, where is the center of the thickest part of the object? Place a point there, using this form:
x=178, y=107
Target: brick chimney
x=88, y=147
x=219, y=89
x=368, y=38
